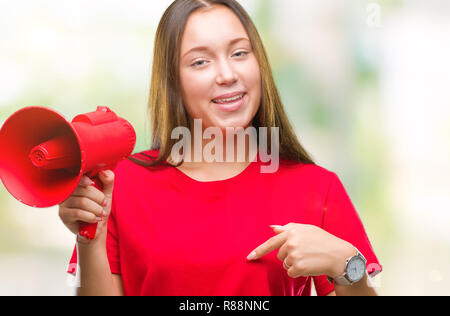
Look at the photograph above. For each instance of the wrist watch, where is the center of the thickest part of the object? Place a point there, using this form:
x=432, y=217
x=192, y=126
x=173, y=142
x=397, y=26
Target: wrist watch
x=354, y=270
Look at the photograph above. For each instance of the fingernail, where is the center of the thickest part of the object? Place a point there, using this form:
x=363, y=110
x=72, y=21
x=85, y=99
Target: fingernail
x=104, y=173
x=251, y=256
x=276, y=226
x=99, y=219
x=86, y=181
x=82, y=238
x=104, y=214
x=105, y=203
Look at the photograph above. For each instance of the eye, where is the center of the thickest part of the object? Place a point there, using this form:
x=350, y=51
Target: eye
x=198, y=63
x=242, y=54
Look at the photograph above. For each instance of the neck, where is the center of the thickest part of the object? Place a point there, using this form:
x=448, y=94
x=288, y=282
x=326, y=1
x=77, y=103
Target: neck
x=219, y=147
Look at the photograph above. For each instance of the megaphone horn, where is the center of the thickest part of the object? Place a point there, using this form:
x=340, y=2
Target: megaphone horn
x=44, y=156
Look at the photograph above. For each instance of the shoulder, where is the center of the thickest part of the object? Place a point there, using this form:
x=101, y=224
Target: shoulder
x=308, y=173
x=135, y=165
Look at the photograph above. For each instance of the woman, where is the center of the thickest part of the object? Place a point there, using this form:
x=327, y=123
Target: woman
x=194, y=227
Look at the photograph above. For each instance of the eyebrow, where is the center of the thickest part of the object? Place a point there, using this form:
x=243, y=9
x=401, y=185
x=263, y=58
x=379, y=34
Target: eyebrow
x=204, y=48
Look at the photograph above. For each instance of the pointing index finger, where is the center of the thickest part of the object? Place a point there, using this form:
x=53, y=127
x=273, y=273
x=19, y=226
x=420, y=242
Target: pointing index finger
x=270, y=245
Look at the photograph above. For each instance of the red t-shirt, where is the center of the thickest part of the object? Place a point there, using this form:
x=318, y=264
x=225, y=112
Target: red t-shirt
x=169, y=234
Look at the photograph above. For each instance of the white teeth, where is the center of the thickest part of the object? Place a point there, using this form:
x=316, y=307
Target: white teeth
x=230, y=99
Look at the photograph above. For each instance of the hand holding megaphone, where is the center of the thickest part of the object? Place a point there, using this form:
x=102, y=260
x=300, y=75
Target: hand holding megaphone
x=44, y=156
x=88, y=204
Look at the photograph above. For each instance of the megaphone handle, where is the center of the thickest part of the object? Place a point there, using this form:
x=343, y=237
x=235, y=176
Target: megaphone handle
x=88, y=230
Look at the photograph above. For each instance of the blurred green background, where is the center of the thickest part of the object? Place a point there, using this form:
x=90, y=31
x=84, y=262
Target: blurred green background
x=365, y=84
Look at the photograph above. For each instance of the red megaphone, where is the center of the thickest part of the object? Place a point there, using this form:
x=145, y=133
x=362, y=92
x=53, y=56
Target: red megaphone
x=44, y=156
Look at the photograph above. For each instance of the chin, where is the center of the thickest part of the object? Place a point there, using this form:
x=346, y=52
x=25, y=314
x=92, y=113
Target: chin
x=224, y=128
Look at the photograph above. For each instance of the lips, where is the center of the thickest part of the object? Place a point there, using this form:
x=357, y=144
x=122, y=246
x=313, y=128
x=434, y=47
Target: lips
x=229, y=98
x=231, y=106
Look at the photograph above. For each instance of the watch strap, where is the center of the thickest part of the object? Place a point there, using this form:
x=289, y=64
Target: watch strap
x=340, y=280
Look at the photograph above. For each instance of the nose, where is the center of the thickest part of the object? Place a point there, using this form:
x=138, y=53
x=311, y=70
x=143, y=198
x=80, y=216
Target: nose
x=226, y=74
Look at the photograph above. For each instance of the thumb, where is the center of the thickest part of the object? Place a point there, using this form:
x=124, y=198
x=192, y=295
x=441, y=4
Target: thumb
x=107, y=178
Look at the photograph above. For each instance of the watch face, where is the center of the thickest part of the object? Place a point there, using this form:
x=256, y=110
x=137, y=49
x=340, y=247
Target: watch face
x=356, y=269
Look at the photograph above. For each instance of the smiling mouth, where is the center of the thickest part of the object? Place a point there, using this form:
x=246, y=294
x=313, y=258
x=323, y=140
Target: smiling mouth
x=229, y=100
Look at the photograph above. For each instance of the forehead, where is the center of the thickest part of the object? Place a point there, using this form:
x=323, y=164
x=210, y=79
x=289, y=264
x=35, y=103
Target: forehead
x=212, y=26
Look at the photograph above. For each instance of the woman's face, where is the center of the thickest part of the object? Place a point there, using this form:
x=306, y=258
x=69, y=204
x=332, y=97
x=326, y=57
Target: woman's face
x=216, y=60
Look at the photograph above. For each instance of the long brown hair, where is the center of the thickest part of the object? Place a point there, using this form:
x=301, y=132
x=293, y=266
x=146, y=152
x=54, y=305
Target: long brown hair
x=166, y=106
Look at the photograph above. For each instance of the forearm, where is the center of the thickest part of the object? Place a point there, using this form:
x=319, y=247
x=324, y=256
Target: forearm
x=361, y=288
x=95, y=274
